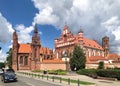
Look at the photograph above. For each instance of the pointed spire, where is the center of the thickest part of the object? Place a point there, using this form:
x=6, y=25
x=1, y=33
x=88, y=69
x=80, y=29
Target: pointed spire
x=15, y=35
x=35, y=29
x=66, y=27
x=81, y=30
x=80, y=33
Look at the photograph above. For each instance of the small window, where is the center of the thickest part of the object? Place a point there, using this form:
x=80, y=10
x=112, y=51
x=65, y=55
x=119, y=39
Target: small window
x=26, y=60
x=21, y=59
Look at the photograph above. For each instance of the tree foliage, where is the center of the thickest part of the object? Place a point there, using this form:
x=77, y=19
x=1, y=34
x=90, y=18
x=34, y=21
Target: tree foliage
x=9, y=57
x=101, y=65
x=78, y=59
x=2, y=64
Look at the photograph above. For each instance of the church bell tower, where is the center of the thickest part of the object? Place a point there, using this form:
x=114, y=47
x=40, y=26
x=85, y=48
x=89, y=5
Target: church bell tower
x=35, y=46
x=105, y=45
x=15, y=51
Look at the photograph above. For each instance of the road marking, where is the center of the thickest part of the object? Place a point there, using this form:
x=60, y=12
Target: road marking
x=30, y=84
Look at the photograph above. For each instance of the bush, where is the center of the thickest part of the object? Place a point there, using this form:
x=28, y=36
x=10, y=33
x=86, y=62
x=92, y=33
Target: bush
x=87, y=72
x=111, y=73
x=57, y=72
x=101, y=65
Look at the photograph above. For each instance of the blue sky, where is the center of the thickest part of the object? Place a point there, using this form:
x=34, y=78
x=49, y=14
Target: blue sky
x=17, y=11
x=96, y=18
x=22, y=12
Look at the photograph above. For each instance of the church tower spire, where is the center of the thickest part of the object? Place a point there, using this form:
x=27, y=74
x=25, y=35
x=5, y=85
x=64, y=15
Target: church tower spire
x=35, y=46
x=15, y=51
x=35, y=30
x=105, y=45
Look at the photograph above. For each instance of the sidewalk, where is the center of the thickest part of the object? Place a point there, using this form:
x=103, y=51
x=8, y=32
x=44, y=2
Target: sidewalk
x=98, y=82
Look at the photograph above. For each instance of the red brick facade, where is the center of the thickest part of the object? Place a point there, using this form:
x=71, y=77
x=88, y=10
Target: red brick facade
x=35, y=57
x=67, y=41
x=29, y=56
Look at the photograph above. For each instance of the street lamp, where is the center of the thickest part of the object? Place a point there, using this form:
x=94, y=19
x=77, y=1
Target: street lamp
x=65, y=56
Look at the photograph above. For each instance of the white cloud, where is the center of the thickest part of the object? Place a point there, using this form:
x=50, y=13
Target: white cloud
x=24, y=33
x=117, y=33
x=45, y=16
x=2, y=56
x=101, y=17
x=6, y=30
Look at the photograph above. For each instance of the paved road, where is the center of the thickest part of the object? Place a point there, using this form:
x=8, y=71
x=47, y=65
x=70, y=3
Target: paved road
x=25, y=81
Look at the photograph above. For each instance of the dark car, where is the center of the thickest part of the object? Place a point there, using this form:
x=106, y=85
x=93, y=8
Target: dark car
x=8, y=75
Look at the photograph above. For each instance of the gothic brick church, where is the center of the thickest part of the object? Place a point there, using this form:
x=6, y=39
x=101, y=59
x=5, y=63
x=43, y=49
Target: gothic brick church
x=33, y=56
x=28, y=56
x=67, y=41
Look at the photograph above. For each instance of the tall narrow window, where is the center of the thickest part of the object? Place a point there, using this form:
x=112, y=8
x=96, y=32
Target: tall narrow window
x=57, y=55
x=89, y=52
x=21, y=59
x=26, y=60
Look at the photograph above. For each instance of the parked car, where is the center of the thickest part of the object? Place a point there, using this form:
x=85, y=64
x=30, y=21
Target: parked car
x=8, y=75
x=1, y=71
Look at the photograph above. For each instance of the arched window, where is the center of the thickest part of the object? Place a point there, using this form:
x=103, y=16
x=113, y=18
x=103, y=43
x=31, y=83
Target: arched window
x=98, y=53
x=93, y=53
x=26, y=60
x=21, y=59
x=57, y=55
x=89, y=52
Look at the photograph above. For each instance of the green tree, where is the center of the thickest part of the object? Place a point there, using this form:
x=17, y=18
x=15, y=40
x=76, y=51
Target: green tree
x=101, y=65
x=2, y=64
x=78, y=59
x=9, y=58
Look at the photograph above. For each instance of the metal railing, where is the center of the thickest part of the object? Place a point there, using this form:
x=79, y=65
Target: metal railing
x=52, y=78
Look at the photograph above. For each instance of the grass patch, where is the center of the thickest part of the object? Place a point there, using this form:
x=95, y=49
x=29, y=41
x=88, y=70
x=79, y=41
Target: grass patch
x=35, y=71
x=57, y=72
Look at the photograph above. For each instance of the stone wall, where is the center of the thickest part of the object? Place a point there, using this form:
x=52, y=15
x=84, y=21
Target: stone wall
x=53, y=66
x=95, y=65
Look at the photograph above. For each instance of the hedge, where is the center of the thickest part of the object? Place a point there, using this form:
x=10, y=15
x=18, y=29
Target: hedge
x=87, y=71
x=112, y=73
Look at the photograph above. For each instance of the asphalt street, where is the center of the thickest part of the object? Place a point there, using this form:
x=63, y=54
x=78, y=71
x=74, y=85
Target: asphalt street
x=25, y=81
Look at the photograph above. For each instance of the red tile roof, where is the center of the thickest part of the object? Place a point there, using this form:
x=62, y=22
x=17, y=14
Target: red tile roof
x=114, y=55
x=91, y=44
x=96, y=58
x=24, y=48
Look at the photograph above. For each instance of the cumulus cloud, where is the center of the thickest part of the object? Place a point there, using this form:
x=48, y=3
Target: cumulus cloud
x=2, y=56
x=24, y=33
x=46, y=17
x=6, y=30
x=98, y=18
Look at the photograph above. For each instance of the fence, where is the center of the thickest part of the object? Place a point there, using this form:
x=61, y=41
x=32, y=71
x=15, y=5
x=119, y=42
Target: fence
x=52, y=78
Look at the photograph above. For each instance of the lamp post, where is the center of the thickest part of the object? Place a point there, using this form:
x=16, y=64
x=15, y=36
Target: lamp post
x=65, y=55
